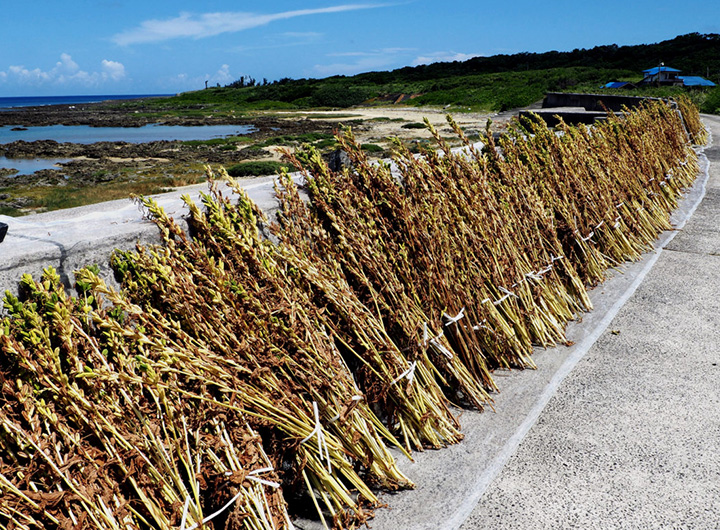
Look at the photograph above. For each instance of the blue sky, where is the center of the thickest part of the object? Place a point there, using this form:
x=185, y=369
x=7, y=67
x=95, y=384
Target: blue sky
x=49, y=47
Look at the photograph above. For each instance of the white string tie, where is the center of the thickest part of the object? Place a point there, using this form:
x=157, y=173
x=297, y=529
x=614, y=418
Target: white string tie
x=318, y=431
x=588, y=237
x=619, y=205
x=481, y=325
x=185, y=512
x=502, y=289
x=501, y=300
x=537, y=276
x=553, y=259
x=409, y=373
x=601, y=223
x=251, y=476
x=544, y=271
x=508, y=294
x=485, y=301
x=453, y=320
x=435, y=342
x=210, y=517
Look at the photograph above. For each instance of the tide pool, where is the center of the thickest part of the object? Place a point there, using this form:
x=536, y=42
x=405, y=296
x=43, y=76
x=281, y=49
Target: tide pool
x=84, y=134
x=28, y=166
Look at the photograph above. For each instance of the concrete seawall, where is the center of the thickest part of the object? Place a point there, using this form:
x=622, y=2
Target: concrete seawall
x=592, y=102
x=77, y=237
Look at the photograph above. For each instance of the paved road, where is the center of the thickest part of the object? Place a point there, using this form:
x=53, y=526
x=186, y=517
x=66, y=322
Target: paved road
x=620, y=431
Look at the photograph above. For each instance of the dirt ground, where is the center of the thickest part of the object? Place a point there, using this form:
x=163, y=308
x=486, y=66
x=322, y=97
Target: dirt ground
x=384, y=122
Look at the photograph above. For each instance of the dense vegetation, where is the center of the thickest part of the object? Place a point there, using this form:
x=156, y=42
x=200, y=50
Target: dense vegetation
x=493, y=83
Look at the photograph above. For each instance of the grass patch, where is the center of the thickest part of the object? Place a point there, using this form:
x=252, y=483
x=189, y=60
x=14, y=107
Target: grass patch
x=148, y=181
x=11, y=212
x=256, y=169
x=372, y=148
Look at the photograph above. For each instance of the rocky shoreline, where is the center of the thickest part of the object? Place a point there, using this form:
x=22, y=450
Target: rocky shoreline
x=106, y=162
x=110, y=170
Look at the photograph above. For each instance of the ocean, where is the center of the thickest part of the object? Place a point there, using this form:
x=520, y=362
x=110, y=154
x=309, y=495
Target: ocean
x=87, y=135
x=36, y=101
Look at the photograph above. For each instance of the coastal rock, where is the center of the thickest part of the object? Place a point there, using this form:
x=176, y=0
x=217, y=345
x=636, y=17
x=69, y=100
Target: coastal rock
x=17, y=203
x=337, y=160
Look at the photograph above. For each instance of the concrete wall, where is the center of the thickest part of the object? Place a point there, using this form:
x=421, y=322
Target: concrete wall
x=77, y=237
x=591, y=102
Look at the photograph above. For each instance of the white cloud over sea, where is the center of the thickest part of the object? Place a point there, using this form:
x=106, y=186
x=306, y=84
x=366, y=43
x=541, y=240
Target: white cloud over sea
x=198, y=26
x=65, y=72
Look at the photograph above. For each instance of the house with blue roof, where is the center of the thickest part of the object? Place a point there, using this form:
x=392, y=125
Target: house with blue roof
x=661, y=75
x=665, y=76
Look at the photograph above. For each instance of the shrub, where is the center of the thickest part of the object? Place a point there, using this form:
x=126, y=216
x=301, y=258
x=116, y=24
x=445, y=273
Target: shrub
x=711, y=105
x=413, y=125
x=339, y=96
x=372, y=148
x=256, y=169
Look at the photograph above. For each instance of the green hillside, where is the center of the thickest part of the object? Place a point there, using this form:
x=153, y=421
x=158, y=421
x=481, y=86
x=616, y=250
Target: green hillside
x=493, y=83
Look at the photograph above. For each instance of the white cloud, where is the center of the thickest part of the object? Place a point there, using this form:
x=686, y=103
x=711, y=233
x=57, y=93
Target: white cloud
x=195, y=82
x=66, y=65
x=187, y=25
x=444, y=57
x=223, y=75
x=65, y=72
x=113, y=70
x=364, y=61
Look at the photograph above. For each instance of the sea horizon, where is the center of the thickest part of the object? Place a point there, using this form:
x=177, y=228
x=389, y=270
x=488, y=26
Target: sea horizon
x=10, y=102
